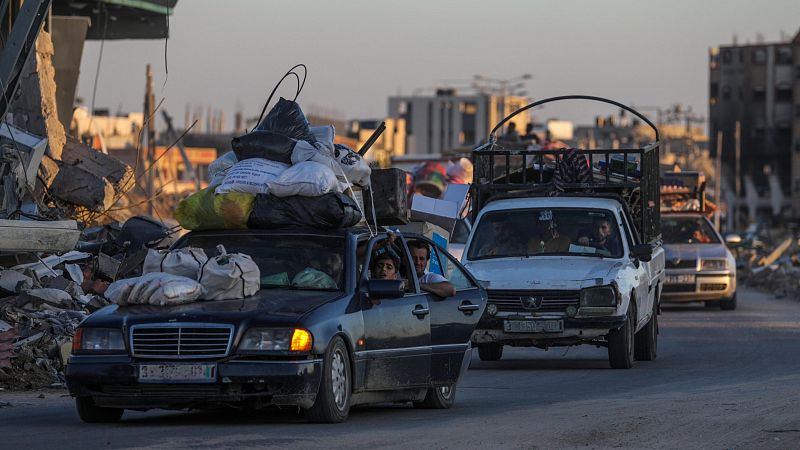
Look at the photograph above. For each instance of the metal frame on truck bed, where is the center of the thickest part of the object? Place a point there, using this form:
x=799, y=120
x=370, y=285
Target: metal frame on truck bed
x=505, y=170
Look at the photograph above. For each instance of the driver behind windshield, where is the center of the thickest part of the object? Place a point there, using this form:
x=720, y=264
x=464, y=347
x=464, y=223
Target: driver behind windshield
x=547, y=238
x=601, y=236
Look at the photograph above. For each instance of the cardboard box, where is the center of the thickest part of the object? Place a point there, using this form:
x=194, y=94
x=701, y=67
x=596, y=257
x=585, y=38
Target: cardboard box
x=439, y=212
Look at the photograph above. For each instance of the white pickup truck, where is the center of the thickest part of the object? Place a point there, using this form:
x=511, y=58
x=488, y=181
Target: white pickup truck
x=581, y=264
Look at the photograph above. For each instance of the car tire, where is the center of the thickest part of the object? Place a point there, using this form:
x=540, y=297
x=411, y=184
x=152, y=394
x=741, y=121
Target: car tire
x=620, y=344
x=646, y=340
x=729, y=304
x=490, y=351
x=712, y=304
x=333, y=399
x=438, y=397
x=91, y=413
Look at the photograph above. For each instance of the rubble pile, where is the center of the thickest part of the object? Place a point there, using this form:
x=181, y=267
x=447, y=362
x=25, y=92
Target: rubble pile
x=43, y=300
x=770, y=261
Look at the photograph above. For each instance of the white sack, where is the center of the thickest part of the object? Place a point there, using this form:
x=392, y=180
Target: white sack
x=309, y=179
x=230, y=276
x=324, y=136
x=251, y=176
x=356, y=170
x=159, y=289
x=219, y=168
x=185, y=262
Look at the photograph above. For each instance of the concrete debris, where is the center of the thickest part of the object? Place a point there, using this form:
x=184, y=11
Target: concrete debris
x=43, y=301
x=770, y=261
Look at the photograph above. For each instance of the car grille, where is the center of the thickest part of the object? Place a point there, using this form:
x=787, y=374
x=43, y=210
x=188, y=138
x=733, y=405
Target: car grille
x=181, y=341
x=552, y=300
x=681, y=264
x=171, y=390
x=713, y=287
x=679, y=288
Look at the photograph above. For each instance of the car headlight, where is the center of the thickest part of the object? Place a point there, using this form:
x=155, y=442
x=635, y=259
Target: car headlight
x=715, y=264
x=599, y=296
x=97, y=340
x=277, y=339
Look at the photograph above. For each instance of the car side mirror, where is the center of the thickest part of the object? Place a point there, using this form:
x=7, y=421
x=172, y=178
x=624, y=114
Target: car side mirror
x=642, y=252
x=382, y=289
x=733, y=239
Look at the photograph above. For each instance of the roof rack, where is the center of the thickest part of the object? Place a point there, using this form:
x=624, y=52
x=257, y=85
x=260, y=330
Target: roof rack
x=503, y=169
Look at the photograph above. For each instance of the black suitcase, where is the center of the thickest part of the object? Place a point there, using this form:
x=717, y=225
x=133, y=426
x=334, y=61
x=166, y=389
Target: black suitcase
x=390, y=194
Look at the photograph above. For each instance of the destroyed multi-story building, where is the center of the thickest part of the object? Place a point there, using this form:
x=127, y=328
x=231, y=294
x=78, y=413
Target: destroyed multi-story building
x=757, y=86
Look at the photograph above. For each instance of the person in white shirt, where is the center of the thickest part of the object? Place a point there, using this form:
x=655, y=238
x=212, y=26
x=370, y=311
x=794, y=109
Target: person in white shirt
x=430, y=282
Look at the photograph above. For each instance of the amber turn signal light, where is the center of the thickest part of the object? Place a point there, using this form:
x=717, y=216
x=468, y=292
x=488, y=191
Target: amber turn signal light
x=301, y=340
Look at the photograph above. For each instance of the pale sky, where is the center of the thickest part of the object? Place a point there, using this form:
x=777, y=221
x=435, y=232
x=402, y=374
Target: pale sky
x=232, y=52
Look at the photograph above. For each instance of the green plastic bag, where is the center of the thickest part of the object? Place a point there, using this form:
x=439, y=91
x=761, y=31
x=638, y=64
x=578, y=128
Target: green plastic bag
x=205, y=210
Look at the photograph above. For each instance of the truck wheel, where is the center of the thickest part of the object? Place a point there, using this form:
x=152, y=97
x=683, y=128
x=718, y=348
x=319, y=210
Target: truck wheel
x=438, y=397
x=620, y=345
x=490, y=352
x=646, y=343
x=729, y=304
x=333, y=399
x=91, y=413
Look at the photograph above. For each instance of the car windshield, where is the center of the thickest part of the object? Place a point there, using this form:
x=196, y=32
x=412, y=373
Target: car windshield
x=287, y=261
x=688, y=230
x=546, y=231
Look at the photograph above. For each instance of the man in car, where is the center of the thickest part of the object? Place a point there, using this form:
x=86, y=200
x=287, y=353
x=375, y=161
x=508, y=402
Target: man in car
x=601, y=237
x=503, y=241
x=428, y=281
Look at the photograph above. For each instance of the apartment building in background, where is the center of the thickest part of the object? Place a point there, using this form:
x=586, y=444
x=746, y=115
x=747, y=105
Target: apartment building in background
x=449, y=123
x=758, y=86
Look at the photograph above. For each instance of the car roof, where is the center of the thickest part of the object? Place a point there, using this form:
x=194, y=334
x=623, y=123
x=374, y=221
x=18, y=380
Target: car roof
x=551, y=202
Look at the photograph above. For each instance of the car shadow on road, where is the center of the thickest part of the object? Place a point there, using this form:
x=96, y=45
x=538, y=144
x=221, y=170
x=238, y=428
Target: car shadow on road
x=542, y=364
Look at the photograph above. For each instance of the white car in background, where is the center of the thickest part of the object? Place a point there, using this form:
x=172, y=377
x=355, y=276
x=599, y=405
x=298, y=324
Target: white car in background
x=700, y=267
x=458, y=240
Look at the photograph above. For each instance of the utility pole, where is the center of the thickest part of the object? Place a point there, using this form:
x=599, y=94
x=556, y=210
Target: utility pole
x=149, y=151
x=738, y=140
x=718, y=180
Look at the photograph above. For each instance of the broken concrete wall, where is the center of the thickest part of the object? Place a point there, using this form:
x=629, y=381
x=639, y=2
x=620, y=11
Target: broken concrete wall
x=35, y=108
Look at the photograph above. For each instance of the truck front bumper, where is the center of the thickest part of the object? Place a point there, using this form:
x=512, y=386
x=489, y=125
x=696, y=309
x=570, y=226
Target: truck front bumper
x=113, y=381
x=576, y=330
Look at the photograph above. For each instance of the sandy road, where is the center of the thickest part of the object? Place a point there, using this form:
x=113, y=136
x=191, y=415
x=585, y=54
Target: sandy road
x=723, y=379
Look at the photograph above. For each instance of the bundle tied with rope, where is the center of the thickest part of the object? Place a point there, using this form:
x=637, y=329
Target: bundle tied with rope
x=310, y=181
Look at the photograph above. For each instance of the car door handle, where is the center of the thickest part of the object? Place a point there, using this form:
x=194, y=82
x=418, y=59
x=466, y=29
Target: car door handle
x=468, y=307
x=420, y=312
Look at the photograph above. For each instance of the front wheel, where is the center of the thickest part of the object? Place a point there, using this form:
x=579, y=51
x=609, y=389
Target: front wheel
x=620, y=345
x=438, y=397
x=91, y=413
x=333, y=399
x=490, y=352
x=728, y=304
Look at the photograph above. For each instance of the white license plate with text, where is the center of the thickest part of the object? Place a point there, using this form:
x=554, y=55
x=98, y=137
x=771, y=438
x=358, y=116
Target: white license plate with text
x=680, y=279
x=533, y=326
x=180, y=373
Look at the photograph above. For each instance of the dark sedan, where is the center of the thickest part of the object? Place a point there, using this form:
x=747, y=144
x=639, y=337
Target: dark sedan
x=320, y=334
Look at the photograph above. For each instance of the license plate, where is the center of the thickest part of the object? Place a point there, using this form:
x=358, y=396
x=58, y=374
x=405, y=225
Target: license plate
x=181, y=373
x=680, y=279
x=533, y=326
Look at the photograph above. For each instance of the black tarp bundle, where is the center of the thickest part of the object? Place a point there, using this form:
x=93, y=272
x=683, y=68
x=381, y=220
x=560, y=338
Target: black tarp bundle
x=332, y=210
